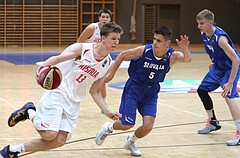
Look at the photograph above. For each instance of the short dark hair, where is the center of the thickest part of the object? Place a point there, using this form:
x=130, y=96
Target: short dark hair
x=165, y=31
x=110, y=27
x=105, y=10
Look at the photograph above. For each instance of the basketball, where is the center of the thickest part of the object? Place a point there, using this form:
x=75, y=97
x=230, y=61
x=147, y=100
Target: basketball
x=49, y=77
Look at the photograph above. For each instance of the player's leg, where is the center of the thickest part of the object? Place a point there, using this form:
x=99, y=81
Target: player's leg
x=140, y=132
x=127, y=109
x=208, y=84
x=212, y=122
x=22, y=114
x=42, y=144
x=50, y=138
x=35, y=145
x=146, y=127
x=108, y=128
x=47, y=121
x=148, y=110
x=235, y=112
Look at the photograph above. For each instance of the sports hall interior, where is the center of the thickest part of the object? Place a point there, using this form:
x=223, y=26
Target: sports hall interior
x=33, y=30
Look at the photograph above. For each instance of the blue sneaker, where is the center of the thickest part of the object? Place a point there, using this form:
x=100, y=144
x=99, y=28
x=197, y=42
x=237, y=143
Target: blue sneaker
x=6, y=153
x=20, y=114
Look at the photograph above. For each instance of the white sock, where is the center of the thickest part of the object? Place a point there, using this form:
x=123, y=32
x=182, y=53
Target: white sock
x=237, y=123
x=210, y=114
x=133, y=137
x=110, y=127
x=31, y=114
x=17, y=148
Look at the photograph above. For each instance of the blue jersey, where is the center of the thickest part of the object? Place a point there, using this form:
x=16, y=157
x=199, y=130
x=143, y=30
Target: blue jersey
x=147, y=70
x=142, y=88
x=220, y=72
x=217, y=55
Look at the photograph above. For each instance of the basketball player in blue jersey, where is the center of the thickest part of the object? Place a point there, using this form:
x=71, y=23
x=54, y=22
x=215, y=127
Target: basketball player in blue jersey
x=148, y=67
x=223, y=72
x=91, y=34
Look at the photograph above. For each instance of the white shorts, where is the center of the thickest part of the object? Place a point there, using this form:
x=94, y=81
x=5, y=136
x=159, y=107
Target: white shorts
x=56, y=112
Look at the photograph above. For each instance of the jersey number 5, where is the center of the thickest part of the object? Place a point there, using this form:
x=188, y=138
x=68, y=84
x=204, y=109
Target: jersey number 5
x=151, y=75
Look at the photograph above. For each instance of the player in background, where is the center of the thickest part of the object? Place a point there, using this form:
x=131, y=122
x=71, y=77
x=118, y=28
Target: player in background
x=148, y=67
x=91, y=34
x=55, y=116
x=223, y=72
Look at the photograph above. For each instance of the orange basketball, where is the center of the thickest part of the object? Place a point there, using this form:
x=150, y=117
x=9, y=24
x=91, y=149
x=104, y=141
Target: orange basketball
x=49, y=77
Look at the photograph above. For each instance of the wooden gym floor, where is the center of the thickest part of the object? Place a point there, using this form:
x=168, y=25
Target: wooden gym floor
x=179, y=116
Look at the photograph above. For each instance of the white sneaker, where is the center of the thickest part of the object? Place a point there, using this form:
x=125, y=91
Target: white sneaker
x=213, y=125
x=235, y=141
x=103, y=133
x=131, y=146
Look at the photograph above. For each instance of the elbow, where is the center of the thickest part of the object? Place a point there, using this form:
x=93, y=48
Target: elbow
x=92, y=92
x=187, y=59
x=122, y=56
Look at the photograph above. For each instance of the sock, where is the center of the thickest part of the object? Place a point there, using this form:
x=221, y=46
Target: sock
x=31, y=114
x=211, y=115
x=237, y=123
x=133, y=137
x=110, y=127
x=17, y=148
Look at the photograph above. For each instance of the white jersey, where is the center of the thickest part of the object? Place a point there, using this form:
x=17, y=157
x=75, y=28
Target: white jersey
x=79, y=75
x=96, y=37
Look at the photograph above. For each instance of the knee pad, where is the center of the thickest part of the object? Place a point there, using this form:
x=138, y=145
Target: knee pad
x=205, y=98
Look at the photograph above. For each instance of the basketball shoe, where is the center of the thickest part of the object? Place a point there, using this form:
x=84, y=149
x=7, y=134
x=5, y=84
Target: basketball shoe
x=212, y=125
x=103, y=133
x=20, y=114
x=6, y=153
x=235, y=141
x=131, y=146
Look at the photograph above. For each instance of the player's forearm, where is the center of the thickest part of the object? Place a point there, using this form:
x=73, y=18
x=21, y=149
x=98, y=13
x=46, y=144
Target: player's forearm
x=51, y=61
x=235, y=66
x=97, y=97
x=187, y=56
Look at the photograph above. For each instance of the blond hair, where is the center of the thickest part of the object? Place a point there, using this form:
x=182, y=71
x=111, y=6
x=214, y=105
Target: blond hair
x=207, y=14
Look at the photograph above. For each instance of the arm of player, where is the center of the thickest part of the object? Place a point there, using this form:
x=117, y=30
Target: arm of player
x=87, y=33
x=125, y=55
x=185, y=55
x=95, y=92
x=75, y=52
x=223, y=43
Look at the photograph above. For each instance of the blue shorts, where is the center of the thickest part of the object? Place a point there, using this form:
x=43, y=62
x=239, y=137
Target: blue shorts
x=217, y=77
x=137, y=97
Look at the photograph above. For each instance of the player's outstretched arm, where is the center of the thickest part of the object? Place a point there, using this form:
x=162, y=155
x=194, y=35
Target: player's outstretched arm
x=75, y=52
x=125, y=55
x=95, y=92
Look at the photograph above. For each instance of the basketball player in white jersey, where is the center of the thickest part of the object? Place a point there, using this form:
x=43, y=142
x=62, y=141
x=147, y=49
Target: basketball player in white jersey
x=83, y=66
x=91, y=34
